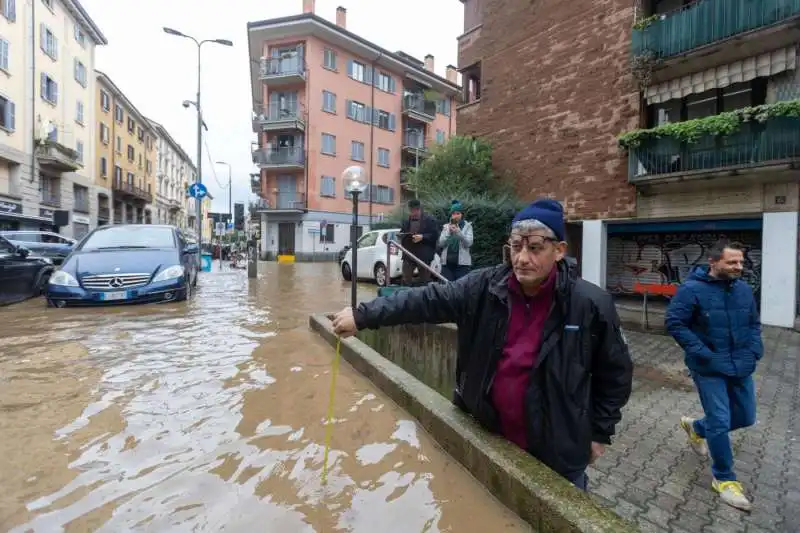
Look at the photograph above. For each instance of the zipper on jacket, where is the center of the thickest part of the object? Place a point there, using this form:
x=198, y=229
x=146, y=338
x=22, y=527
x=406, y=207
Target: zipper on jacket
x=491, y=367
x=730, y=329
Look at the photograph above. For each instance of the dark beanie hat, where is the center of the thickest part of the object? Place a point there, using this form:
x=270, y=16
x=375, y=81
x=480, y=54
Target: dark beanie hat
x=414, y=203
x=455, y=206
x=548, y=212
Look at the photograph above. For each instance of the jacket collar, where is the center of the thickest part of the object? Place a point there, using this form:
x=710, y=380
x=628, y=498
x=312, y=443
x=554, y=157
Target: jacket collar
x=566, y=274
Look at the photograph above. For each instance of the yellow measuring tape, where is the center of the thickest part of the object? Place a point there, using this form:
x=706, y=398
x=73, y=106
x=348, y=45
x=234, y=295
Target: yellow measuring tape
x=329, y=424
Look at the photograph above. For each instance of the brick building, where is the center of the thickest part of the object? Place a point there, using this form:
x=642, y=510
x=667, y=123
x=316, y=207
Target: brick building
x=553, y=85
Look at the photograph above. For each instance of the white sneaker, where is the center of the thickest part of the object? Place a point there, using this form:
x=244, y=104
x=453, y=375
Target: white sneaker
x=731, y=493
x=697, y=443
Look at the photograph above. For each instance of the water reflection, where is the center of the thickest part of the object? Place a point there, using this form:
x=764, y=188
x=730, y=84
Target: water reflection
x=209, y=416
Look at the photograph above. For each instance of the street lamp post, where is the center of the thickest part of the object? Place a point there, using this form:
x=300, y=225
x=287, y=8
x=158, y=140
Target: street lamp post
x=230, y=190
x=224, y=42
x=355, y=182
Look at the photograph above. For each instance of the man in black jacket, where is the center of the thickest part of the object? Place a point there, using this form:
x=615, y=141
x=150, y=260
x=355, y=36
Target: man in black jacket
x=421, y=233
x=541, y=356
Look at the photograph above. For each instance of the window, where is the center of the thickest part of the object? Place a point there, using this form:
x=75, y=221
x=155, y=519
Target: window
x=7, y=114
x=49, y=89
x=119, y=145
x=383, y=157
x=131, y=153
x=328, y=187
x=357, y=71
x=48, y=42
x=357, y=151
x=356, y=111
x=384, y=82
x=329, y=59
x=708, y=103
x=5, y=58
x=103, y=167
x=79, y=149
x=119, y=114
x=368, y=239
x=131, y=125
x=327, y=234
x=385, y=120
x=117, y=173
x=80, y=73
x=140, y=134
x=80, y=37
x=382, y=194
x=105, y=101
x=440, y=136
x=104, y=133
x=328, y=144
x=81, y=195
x=443, y=106
x=141, y=160
x=328, y=102
x=79, y=112
x=8, y=9
x=148, y=167
x=131, y=178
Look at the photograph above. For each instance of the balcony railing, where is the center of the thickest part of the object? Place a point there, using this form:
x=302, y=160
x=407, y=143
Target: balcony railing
x=282, y=200
x=279, y=116
x=285, y=156
x=292, y=67
x=707, y=21
x=414, y=140
x=755, y=144
x=131, y=190
x=418, y=105
x=55, y=155
x=51, y=198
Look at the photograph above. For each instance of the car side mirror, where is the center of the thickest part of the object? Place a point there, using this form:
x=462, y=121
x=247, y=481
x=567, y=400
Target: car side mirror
x=191, y=249
x=23, y=252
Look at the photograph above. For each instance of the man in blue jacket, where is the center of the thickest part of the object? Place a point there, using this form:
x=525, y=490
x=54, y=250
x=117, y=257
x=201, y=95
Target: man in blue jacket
x=713, y=317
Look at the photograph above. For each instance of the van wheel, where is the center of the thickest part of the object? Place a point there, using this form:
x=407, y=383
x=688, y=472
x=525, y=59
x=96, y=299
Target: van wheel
x=380, y=274
x=347, y=275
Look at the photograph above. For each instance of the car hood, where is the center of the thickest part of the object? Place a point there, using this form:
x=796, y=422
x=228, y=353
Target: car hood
x=130, y=261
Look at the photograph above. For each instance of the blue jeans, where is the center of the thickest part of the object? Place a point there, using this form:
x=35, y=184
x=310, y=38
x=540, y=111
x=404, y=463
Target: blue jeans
x=580, y=479
x=729, y=403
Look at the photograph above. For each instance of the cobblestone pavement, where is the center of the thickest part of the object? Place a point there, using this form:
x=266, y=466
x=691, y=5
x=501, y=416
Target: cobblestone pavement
x=650, y=474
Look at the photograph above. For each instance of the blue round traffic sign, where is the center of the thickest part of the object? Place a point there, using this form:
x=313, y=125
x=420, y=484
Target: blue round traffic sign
x=198, y=190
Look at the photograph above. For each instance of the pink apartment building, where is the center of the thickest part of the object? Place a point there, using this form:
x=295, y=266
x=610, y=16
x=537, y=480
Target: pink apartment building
x=324, y=99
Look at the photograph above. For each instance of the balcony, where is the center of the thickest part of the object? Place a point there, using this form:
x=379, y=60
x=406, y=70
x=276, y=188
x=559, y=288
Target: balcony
x=57, y=157
x=174, y=205
x=418, y=108
x=699, y=35
x=51, y=198
x=255, y=183
x=131, y=191
x=772, y=145
x=414, y=143
x=282, y=201
x=277, y=116
x=277, y=71
x=285, y=157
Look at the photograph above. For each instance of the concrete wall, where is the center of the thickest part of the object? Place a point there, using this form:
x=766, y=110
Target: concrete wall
x=415, y=369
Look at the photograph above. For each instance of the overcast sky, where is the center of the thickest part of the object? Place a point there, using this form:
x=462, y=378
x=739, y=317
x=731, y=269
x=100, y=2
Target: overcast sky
x=158, y=71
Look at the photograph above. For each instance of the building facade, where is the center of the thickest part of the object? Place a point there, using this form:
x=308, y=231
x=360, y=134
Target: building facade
x=174, y=172
x=47, y=57
x=325, y=99
x=126, y=153
x=643, y=130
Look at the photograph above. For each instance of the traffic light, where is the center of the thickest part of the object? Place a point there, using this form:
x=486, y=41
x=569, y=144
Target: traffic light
x=238, y=216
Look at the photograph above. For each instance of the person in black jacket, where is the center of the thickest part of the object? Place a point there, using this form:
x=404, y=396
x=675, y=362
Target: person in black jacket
x=541, y=359
x=421, y=233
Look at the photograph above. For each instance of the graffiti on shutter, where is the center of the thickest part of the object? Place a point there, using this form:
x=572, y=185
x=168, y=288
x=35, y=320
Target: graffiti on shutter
x=668, y=258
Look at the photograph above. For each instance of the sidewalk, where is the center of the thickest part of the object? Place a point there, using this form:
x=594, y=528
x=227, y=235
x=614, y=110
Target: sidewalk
x=651, y=476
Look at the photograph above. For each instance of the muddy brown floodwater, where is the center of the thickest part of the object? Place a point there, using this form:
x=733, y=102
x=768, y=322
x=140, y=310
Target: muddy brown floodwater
x=210, y=416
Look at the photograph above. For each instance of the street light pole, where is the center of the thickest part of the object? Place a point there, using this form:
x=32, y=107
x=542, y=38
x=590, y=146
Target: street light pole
x=230, y=190
x=224, y=42
x=355, y=182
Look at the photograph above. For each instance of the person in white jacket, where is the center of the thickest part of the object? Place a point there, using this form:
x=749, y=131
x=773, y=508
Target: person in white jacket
x=456, y=240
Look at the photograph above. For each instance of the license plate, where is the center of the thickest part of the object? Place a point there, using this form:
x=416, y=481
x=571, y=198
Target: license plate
x=111, y=296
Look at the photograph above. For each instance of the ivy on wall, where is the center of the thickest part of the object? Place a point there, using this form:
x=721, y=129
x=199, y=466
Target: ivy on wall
x=691, y=131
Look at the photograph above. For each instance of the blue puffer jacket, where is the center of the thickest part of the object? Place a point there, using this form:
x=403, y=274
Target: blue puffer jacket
x=717, y=324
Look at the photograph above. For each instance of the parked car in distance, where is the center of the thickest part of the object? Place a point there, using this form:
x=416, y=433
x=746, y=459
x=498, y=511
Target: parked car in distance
x=43, y=243
x=124, y=264
x=372, y=253
x=23, y=274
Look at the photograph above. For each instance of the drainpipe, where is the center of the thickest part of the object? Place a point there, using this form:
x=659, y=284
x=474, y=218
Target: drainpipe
x=372, y=136
x=33, y=92
x=306, y=132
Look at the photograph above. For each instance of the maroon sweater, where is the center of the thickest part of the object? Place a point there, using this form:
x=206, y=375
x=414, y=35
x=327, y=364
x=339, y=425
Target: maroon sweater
x=520, y=352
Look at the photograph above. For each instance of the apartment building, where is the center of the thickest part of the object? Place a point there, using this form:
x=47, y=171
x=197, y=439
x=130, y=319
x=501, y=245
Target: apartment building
x=638, y=128
x=324, y=99
x=47, y=56
x=174, y=172
x=126, y=154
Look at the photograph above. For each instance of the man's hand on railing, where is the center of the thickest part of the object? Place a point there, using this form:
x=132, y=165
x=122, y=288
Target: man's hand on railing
x=344, y=324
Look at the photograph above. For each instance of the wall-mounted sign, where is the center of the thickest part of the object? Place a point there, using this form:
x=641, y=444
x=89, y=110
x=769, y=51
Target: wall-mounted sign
x=46, y=213
x=81, y=219
x=10, y=208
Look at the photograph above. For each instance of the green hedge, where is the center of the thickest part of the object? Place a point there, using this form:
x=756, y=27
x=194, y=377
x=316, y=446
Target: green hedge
x=490, y=217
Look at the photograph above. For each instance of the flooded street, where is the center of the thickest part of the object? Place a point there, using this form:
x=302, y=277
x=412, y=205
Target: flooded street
x=209, y=416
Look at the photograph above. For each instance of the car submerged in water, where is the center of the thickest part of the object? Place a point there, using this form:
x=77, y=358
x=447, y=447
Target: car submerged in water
x=125, y=264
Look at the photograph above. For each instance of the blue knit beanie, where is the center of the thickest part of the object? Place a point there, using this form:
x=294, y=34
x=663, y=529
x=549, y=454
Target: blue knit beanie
x=548, y=212
x=455, y=206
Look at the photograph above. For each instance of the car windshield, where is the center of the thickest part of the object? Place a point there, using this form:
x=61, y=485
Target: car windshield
x=121, y=237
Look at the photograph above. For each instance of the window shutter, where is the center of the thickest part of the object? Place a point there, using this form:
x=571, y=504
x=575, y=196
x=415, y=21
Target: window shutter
x=376, y=117
x=392, y=124
x=42, y=40
x=11, y=10
x=349, y=109
x=368, y=75
x=391, y=195
x=43, y=83
x=55, y=47
x=10, y=115
x=350, y=68
x=75, y=68
x=55, y=92
x=368, y=112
